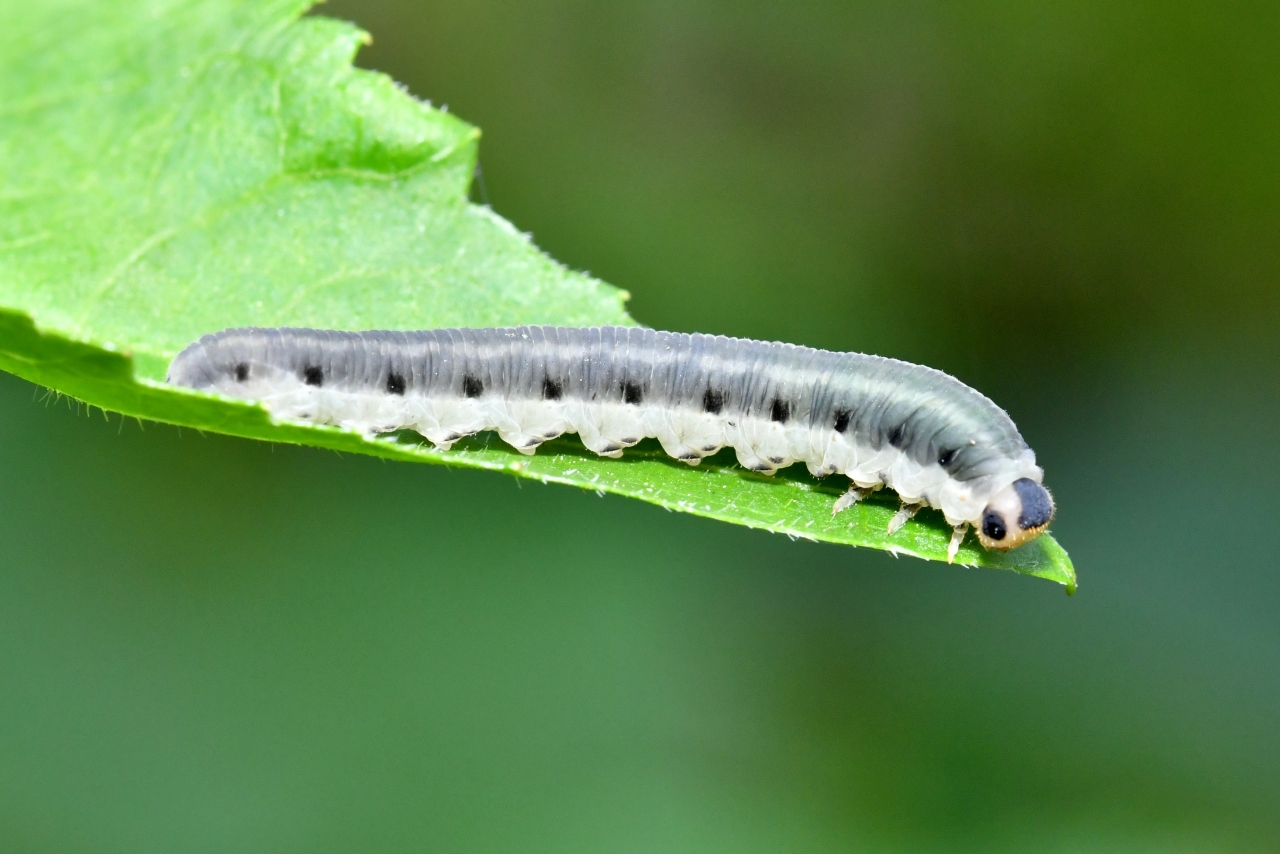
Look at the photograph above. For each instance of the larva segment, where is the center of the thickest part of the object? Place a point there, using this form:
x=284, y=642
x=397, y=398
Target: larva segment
x=878, y=421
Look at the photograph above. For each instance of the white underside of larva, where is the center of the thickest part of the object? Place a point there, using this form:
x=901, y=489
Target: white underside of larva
x=608, y=428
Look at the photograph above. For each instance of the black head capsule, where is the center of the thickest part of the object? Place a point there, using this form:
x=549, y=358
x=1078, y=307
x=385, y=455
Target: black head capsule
x=1017, y=514
x=1037, y=504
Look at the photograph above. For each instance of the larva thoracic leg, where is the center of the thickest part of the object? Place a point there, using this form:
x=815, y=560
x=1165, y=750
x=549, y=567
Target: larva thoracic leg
x=957, y=538
x=902, y=517
x=878, y=421
x=850, y=498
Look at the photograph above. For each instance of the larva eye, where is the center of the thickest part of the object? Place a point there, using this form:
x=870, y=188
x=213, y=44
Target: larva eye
x=993, y=526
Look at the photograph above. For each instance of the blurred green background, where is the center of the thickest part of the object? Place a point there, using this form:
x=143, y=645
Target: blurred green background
x=214, y=645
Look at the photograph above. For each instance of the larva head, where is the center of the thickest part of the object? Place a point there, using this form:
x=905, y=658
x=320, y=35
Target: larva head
x=1017, y=514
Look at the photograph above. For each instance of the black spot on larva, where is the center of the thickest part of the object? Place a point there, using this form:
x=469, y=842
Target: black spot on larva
x=777, y=461
x=550, y=389
x=472, y=386
x=630, y=440
x=242, y=372
x=712, y=401
x=632, y=393
x=895, y=437
x=842, y=420
x=611, y=448
x=781, y=410
x=395, y=383
x=945, y=458
x=993, y=526
x=313, y=375
x=1037, y=506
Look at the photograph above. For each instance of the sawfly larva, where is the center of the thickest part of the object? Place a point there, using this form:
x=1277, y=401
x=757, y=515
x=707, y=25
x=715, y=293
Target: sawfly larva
x=878, y=421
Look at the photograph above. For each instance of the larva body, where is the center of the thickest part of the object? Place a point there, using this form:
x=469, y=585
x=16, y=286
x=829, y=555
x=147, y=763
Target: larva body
x=879, y=421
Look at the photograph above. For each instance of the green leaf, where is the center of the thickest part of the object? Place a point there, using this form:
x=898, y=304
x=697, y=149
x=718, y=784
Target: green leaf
x=169, y=169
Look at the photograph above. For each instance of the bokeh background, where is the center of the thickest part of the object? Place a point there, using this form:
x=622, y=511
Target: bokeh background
x=214, y=645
